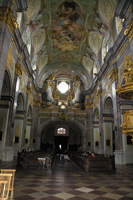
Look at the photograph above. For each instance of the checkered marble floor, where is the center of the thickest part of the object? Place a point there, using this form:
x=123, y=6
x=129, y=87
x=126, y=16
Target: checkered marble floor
x=67, y=182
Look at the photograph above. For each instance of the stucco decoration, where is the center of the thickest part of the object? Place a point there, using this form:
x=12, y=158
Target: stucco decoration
x=23, y=83
x=42, y=61
x=106, y=9
x=38, y=39
x=33, y=8
x=87, y=63
x=94, y=23
x=67, y=31
x=107, y=89
x=118, y=25
x=95, y=41
x=26, y=35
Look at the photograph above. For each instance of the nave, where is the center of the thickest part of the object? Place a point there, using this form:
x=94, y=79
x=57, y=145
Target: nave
x=68, y=182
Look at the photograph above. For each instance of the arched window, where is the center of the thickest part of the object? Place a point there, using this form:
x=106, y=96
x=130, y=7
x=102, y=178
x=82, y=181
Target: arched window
x=61, y=131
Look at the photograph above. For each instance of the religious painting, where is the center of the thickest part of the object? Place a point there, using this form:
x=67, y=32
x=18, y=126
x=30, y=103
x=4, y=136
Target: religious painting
x=68, y=29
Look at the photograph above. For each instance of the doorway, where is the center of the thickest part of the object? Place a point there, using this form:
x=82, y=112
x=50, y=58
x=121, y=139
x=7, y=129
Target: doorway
x=61, y=141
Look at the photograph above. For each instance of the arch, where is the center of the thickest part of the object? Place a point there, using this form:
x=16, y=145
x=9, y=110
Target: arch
x=29, y=113
x=96, y=114
x=108, y=105
x=70, y=123
x=6, y=88
x=50, y=138
x=20, y=102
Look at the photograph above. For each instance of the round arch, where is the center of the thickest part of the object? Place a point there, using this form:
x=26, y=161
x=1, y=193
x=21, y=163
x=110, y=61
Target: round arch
x=108, y=105
x=96, y=114
x=70, y=122
x=6, y=87
x=20, y=102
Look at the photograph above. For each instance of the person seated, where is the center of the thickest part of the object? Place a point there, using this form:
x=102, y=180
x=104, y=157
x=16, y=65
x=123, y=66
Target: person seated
x=28, y=149
x=85, y=153
x=24, y=150
x=92, y=154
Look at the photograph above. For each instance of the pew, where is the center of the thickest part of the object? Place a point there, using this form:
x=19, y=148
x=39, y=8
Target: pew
x=11, y=189
x=5, y=180
x=100, y=163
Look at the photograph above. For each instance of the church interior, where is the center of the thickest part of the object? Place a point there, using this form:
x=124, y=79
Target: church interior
x=66, y=84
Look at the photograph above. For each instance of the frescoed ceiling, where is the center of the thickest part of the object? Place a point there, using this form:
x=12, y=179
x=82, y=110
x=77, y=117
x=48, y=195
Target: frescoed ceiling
x=66, y=36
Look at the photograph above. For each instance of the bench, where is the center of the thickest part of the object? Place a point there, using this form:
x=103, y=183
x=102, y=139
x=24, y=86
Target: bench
x=100, y=163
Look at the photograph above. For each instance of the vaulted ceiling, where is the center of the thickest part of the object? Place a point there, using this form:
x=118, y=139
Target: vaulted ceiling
x=64, y=38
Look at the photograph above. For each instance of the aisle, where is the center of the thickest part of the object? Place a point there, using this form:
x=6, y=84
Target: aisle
x=67, y=182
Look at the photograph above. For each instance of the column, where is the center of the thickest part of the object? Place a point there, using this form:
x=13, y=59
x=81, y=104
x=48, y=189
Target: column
x=8, y=150
x=119, y=153
x=101, y=133
x=89, y=125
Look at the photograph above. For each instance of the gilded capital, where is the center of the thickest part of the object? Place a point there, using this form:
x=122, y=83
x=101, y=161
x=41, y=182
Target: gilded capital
x=18, y=69
x=114, y=74
x=6, y=16
x=99, y=93
x=89, y=104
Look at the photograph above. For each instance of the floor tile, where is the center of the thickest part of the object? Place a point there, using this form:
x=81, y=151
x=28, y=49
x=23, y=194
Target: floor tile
x=84, y=189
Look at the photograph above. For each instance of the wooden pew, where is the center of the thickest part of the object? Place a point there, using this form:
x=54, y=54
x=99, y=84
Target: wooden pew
x=100, y=163
x=10, y=171
x=5, y=186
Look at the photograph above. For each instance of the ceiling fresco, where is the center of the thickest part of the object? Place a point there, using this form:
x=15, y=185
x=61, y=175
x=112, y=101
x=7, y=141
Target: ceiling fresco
x=67, y=29
x=67, y=33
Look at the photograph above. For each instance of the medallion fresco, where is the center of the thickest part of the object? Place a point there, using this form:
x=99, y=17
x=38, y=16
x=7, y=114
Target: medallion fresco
x=64, y=73
x=68, y=29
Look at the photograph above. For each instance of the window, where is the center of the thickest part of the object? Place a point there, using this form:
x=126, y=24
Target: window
x=61, y=131
x=63, y=87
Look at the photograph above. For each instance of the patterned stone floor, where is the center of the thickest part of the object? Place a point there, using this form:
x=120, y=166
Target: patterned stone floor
x=67, y=182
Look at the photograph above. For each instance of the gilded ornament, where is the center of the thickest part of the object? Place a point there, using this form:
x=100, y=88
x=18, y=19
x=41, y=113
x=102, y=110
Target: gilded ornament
x=126, y=90
x=37, y=102
x=99, y=93
x=127, y=126
x=18, y=69
x=105, y=75
x=13, y=43
x=29, y=89
x=112, y=62
x=129, y=30
x=88, y=104
x=129, y=11
x=114, y=74
x=14, y=3
x=6, y=16
x=9, y=58
x=64, y=116
x=124, y=47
